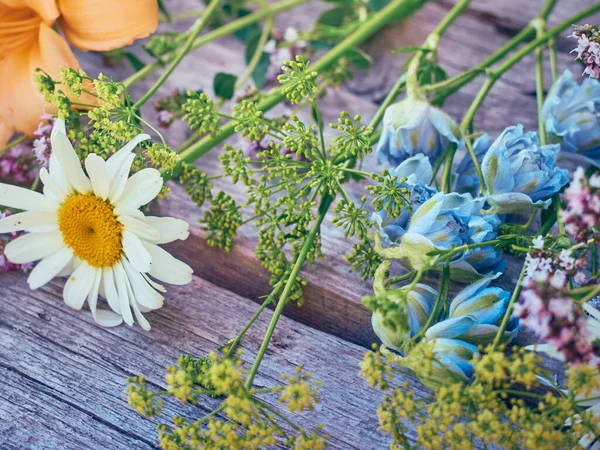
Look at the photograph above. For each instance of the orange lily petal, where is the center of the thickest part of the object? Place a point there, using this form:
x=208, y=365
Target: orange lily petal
x=21, y=105
x=47, y=9
x=102, y=25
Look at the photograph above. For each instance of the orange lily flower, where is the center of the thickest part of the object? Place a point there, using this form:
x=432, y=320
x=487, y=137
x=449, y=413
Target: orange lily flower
x=28, y=40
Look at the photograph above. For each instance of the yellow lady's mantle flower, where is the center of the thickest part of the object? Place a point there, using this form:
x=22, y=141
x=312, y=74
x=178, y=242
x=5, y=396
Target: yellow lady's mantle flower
x=28, y=40
x=90, y=226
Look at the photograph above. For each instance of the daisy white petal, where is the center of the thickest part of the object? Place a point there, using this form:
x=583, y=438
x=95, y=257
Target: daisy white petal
x=119, y=181
x=69, y=161
x=96, y=169
x=141, y=229
x=49, y=267
x=170, y=229
x=141, y=188
x=33, y=247
x=168, y=268
x=110, y=290
x=119, y=158
x=144, y=294
x=154, y=284
x=51, y=187
x=92, y=297
x=121, y=283
x=101, y=316
x=59, y=175
x=25, y=199
x=136, y=253
x=79, y=285
x=29, y=221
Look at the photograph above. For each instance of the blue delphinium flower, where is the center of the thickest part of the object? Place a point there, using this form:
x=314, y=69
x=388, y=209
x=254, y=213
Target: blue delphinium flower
x=474, y=315
x=466, y=175
x=413, y=126
x=520, y=174
x=418, y=172
x=473, y=319
x=571, y=114
x=485, y=228
x=442, y=222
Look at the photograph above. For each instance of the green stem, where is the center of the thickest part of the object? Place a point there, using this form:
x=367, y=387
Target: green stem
x=441, y=299
x=187, y=46
x=258, y=52
x=452, y=85
x=431, y=45
x=220, y=32
x=389, y=99
x=539, y=81
x=395, y=8
x=509, y=308
x=291, y=279
x=12, y=143
x=234, y=342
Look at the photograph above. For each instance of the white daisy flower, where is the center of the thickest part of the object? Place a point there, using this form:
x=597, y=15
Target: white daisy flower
x=90, y=227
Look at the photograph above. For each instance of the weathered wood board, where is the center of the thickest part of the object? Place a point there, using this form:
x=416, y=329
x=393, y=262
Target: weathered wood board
x=64, y=377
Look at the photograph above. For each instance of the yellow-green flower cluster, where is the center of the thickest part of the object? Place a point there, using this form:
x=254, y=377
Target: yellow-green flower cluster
x=505, y=406
x=299, y=394
x=244, y=420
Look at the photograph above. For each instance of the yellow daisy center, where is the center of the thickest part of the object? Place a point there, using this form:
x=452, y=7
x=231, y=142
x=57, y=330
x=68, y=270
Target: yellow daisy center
x=90, y=227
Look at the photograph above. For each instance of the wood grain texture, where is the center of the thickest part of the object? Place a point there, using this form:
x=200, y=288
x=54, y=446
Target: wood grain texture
x=332, y=287
x=64, y=377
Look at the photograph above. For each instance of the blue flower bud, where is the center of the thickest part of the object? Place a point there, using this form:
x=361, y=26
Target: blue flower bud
x=413, y=126
x=519, y=173
x=571, y=114
x=475, y=315
x=419, y=306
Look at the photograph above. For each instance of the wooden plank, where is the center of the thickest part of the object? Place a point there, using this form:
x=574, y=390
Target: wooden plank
x=333, y=293
x=64, y=376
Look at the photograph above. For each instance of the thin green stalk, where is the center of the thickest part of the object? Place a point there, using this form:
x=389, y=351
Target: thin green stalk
x=509, y=308
x=308, y=242
x=454, y=84
x=431, y=44
x=539, y=81
x=552, y=54
x=187, y=46
x=219, y=33
x=395, y=8
x=232, y=344
x=12, y=143
x=258, y=52
x=441, y=299
x=389, y=99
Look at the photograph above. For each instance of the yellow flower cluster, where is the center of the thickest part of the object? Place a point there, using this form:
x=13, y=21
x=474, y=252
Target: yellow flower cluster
x=505, y=406
x=242, y=421
x=299, y=394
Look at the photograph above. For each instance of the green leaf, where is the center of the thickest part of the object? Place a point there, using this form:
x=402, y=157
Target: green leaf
x=246, y=33
x=376, y=5
x=136, y=62
x=163, y=9
x=224, y=85
x=359, y=59
x=260, y=71
x=334, y=17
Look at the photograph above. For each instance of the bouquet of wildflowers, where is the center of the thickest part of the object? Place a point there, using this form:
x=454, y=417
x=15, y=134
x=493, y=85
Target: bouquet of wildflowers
x=445, y=209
